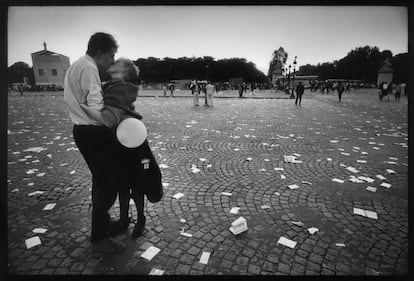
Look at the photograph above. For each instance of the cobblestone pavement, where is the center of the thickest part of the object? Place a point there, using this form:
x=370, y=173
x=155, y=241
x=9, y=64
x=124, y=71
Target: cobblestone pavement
x=237, y=147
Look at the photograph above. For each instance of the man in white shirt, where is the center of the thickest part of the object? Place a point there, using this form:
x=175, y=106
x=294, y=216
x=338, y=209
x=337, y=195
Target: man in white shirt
x=210, y=89
x=95, y=141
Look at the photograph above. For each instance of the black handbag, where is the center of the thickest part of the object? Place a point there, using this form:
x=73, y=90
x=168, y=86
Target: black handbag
x=141, y=168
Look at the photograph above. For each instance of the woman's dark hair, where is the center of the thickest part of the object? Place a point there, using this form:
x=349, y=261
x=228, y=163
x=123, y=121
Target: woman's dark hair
x=101, y=42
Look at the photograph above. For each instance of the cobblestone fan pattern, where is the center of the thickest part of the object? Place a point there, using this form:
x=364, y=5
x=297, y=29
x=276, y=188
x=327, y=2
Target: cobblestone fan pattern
x=236, y=147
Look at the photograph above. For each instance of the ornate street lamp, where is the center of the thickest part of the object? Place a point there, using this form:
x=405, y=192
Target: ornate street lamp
x=288, y=79
x=292, y=95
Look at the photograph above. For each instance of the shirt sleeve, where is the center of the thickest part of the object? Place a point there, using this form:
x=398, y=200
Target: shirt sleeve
x=91, y=84
x=111, y=115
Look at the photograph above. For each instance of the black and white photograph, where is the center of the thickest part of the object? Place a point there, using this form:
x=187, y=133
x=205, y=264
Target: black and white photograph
x=207, y=140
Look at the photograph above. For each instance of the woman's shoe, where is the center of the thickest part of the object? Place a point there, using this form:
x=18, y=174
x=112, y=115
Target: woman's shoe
x=118, y=227
x=139, y=228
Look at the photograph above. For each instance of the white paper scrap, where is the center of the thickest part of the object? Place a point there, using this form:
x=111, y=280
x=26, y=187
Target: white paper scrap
x=385, y=184
x=362, y=161
x=358, y=211
x=226, y=193
x=277, y=193
x=39, y=230
x=312, y=230
x=203, y=159
x=338, y=180
x=31, y=242
x=298, y=223
x=163, y=166
x=183, y=221
x=352, y=169
x=278, y=169
x=264, y=207
x=49, y=207
x=235, y=210
x=178, y=195
x=204, y=257
x=286, y=242
x=35, y=193
x=195, y=169
x=340, y=244
x=35, y=149
x=389, y=171
x=293, y=186
x=371, y=215
x=365, y=213
x=249, y=159
x=165, y=184
x=156, y=271
x=150, y=253
x=372, y=189
x=282, y=177
x=306, y=182
x=186, y=234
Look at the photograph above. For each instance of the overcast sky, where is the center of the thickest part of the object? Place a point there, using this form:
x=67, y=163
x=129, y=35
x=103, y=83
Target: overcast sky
x=315, y=34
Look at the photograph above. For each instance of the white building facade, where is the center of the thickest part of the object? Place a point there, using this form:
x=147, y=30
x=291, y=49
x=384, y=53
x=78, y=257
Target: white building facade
x=49, y=68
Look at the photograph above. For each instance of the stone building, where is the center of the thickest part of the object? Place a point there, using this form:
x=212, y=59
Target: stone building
x=385, y=74
x=49, y=68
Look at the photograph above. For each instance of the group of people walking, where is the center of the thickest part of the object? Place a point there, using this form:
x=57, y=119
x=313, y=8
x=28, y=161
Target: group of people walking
x=386, y=88
x=198, y=87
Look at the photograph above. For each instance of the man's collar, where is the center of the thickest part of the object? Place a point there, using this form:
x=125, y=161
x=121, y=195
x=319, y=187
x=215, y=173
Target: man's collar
x=89, y=58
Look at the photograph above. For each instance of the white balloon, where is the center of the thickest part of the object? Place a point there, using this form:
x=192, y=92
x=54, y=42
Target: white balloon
x=131, y=132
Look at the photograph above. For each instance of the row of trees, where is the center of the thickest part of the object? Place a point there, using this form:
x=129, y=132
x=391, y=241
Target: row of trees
x=166, y=69
x=361, y=63
x=155, y=70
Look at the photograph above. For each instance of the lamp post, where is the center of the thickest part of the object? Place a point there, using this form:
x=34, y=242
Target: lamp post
x=288, y=79
x=292, y=95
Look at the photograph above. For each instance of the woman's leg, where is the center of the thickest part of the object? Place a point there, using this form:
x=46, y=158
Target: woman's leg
x=138, y=198
x=123, y=223
x=124, y=196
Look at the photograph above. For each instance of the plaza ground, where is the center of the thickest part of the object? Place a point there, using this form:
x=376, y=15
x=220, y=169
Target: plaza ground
x=238, y=147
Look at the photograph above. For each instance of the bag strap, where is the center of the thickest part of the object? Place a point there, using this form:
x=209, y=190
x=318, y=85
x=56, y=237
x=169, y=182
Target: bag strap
x=129, y=112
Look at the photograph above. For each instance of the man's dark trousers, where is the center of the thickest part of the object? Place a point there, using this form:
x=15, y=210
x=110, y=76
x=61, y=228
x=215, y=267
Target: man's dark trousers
x=298, y=98
x=97, y=145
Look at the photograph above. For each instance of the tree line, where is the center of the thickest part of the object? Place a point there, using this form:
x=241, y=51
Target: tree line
x=361, y=63
x=156, y=70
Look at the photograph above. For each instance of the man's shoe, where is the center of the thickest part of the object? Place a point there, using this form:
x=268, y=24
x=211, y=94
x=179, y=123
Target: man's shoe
x=139, y=228
x=118, y=227
x=108, y=245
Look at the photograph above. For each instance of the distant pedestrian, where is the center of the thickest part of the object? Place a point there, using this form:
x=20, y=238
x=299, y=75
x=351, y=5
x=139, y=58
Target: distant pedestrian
x=340, y=89
x=397, y=92
x=384, y=90
x=299, y=92
x=171, y=88
x=195, y=90
x=210, y=89
x=164, y=89
x=348, y=87
x=241, y=89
